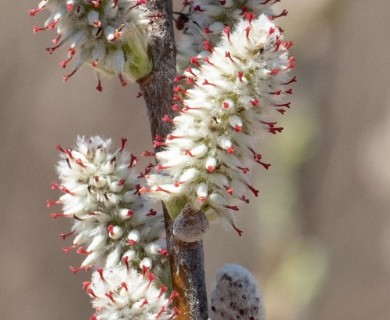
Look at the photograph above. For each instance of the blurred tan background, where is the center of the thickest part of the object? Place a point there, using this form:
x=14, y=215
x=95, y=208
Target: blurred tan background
x=318, y=238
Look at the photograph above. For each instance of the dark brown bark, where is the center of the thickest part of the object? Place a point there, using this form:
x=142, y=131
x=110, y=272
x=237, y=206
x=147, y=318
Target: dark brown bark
x=186, y=259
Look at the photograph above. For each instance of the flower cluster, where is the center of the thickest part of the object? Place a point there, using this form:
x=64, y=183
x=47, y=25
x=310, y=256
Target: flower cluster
x=232, y=95
x=208, y=19
x=106, y=34
x=122, y=293
x=236, y=295
x=111, y=221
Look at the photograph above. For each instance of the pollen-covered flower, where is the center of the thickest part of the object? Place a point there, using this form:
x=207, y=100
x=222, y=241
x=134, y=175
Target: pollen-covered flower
x=111, y=221
x=236, y=295
x=207, y=20
x=106, y=34
x=233, y=95
x=122, y=293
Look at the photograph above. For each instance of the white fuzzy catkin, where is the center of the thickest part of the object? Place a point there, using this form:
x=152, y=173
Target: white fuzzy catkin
x=122, y=293
x=208, y=19
x=111, y=220
x=108, y=35
x=225, y=102
x=236, y=295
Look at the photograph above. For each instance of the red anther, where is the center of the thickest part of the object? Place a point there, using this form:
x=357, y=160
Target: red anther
x=210, y=169
x=96, y=3
x=133, y=161
x=93, y=295
x=145, y=270
x=255, y=102
x=240, y=75
x=160, y=168
x=249, y=16
x=198, y=8
x=222, y=2
x=178, y=78
x=288, y=44
x=195, y=60
x=275, y=130
x=162, y=310
x=191, y=81
x=176, y=97
x=289, y=91
x=77, y=269
x=179, y=89
x=244, y=170
x=125, y=260
x=207, y=59
x=139, y=94
x=81, y=250
x=93, y=317
x=226, y=105
x=186, y=108
x=80, y=163
x=57, y=215
x=66, y=235
x=163, y=289
x=206, y=83
x=243, y=198
x=164, y=252
x=280, y=29
x=189, y=70
x=66, y=78
x=240, y=232
x=271, y=30
x=282, y=14
x=55, y=185
x=176, y=312
x=247, y=31
x=274, y=71
x=144, y=303
x=230, y=150
x=201, y=200
x=51, y=203
x=175, y=107
x=100, y=271
x=124, y=286
x=151, y=277
x=226, y=30
x=207, y=46
x=64, y=63
x=291, y=81
x=52, y=49
x=99, y=86
x=207, y=30
x=132, y=242
x=265, y=1
x=228, y=189
x=173, y=296
x=151, y=213
x=33, y=12
x=122, y=80
x=123, y=144
x=228, y=55
x=57, y=40
x=278, y=43
x=238, y=128
x=110, y=229
x=234, y=208
x=291, y=63
x=166, y=118
x=148, y=154
x=172, y=137
x=110, y=295
x=187, y=152
x=113, y=160
x=254, y=191
x=69, y=249
x=287, y=105
x=86, y=284
x=277, y=93
x=69, y=7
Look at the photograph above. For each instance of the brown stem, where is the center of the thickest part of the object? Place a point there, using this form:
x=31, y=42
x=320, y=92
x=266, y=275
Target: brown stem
x=186, y=259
